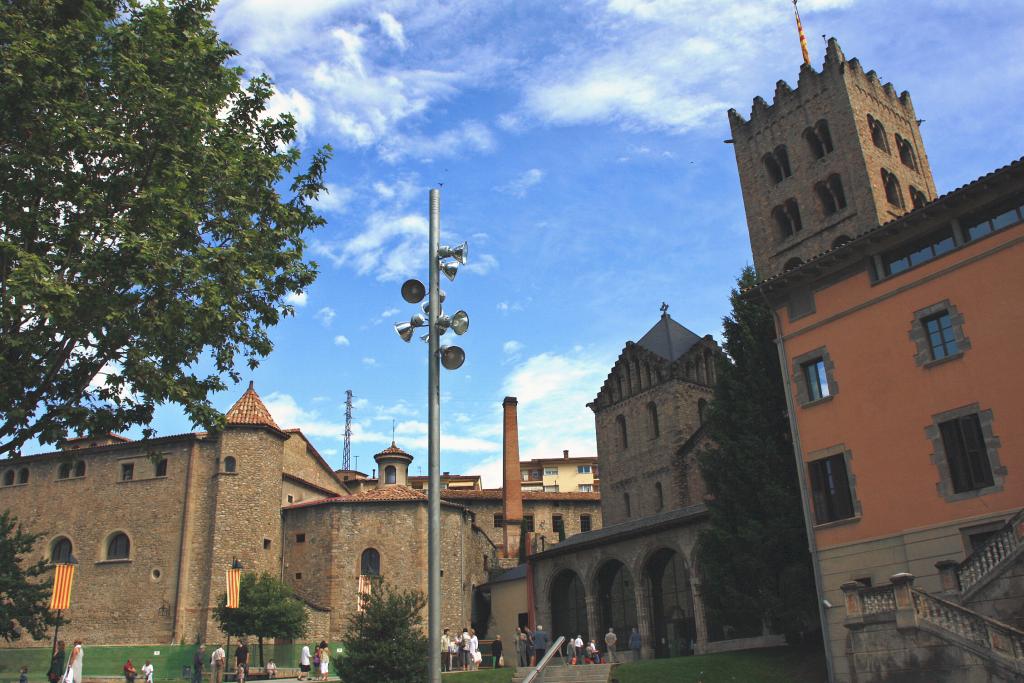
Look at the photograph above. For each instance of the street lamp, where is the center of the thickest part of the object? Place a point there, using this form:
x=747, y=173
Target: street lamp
x=452, y=358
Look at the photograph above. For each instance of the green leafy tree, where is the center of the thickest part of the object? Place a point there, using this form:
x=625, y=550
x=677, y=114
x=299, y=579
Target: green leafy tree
x=267, y=608
x=385, y=642
x=145, y=243
x=24, y=596
x=753, y=558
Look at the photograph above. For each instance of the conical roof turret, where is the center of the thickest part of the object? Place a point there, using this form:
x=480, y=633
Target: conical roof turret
x=250, y=410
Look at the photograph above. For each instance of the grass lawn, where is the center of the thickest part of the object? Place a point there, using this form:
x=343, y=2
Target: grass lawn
x=776, y=665
x=482, y=676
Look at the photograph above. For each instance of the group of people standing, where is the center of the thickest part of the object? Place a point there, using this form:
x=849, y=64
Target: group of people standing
x=316, y=662
x=61, y=672
x=461, y=652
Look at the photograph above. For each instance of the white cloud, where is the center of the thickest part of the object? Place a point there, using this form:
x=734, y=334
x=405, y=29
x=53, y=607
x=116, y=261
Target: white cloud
x=335, y=198
x=491, y=471
x=296, y=299
x=553, y=391
x=298, y=105
x=470, y=135
x=389, y=313
x=341, y=340
x=369, y=360
x=392, y=28
x=520, y=185
x=390, y=247
x=512, y=347
x=481, y=264
x=326, y=315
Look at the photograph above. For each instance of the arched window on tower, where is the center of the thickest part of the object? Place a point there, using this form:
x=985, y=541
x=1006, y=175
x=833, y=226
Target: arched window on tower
x=390, y=474
x=369, y=563
x=623, y=435
x=878, y=133
x=782, y=156
x=828, y=205
x=9, y=478
x=787, y=218
x=23, y=475
x=830, y=194
x=824, y=134
x=230, y=464
x=917, y=198
x=80, y=468
x=773, y=168
x=652, y=418
x=64, y=471
x=835, y=186
x=893, y=191
x=906, y=151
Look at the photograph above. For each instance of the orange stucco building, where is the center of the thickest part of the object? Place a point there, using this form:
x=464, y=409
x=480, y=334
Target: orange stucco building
x=901, y=349
x=899, y=328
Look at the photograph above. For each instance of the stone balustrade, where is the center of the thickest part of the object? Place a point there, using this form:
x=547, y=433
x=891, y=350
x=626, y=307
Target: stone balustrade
x=989, y=556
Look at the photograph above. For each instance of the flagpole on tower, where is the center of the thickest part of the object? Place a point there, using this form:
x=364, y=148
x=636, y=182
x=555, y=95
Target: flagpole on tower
x=803, y=38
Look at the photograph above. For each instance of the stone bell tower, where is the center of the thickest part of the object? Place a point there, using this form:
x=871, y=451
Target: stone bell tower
x=839, y=154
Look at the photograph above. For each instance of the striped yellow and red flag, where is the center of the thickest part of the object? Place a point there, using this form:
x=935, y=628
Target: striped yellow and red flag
x=63, y=575
x=803, y=38
x=234, y=587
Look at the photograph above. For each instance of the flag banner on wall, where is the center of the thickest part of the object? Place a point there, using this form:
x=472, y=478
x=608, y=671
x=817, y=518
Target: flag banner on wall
x=63, y=575
x=363, y=591
x=234, y=587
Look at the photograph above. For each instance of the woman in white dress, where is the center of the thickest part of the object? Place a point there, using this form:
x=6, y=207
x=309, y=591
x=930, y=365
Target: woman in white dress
x=324, y=658
x=74, y=672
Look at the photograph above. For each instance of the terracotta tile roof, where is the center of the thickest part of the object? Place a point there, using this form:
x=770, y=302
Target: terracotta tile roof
x=393, y=450
x=249, y=410
x=496, y=494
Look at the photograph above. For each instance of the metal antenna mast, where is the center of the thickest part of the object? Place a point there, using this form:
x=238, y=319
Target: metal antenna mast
x=346, y=459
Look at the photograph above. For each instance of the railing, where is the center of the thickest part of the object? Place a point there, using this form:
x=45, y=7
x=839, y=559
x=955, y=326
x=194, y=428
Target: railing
x=878, y=600
x=996, y=549
x=556, y=648
x=988, y=633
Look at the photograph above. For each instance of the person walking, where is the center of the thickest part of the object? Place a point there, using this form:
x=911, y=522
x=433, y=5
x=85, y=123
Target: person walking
x=609, y=640
x=198, y=659
x=464, y=649
x=56, y=663
x=217, y=660
x=241, y=661
x=578, y=646
x=324, y=659
x=474, y=651
x=496, y=648
x=129, y=672
x=540, y=644
x=304, y=660
x=453, y=653
x=446, y=641
x=523, y=652
x=147, y=672
x=74, y=672
x=634, y=644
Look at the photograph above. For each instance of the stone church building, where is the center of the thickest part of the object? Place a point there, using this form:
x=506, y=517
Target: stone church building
x=155, y=524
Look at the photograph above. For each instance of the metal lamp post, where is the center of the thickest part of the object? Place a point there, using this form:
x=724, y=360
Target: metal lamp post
x=452, y=358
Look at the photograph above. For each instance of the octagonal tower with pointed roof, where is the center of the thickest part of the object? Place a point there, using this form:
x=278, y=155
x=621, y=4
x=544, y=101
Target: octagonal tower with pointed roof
x=648, y=417
x=393, y=464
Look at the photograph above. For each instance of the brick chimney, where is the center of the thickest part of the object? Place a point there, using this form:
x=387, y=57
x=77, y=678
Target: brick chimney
x=513, y=493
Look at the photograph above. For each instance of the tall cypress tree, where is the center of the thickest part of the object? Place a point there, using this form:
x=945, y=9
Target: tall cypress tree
x=753, y=558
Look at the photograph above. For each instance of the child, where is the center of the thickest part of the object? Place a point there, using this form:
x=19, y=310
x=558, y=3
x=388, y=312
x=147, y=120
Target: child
x=271, y=669
x=23, y=678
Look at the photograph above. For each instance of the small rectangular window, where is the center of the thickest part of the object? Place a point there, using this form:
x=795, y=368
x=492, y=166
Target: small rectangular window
x=529, y=522
x=551, y=489
x=550, y=471
x=966, y=454
x=266, y=544
x=584, y=523
x=161, y=468
x=830, y=489
x=557, y=524
x=941, y=339
x=298, y=575
x=300, y=538
x=127, y=471
x=586, y=488
x=583, y=469
x=907, y=256
x=817, y=379
x=499, y=520
x=291, y=499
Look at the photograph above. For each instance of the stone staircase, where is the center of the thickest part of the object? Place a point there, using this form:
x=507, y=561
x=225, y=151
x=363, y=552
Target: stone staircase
x=556, y=672
x=965, y=580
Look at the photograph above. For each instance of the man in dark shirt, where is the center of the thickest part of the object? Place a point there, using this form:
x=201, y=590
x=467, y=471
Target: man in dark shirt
x=241, y=661
x=197, y=664
x=540, y=644
x=496, y=650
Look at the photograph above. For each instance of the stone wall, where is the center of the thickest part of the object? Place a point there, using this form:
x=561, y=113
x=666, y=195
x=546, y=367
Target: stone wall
x=300, y=460
x=543, y=512
x=88, y=511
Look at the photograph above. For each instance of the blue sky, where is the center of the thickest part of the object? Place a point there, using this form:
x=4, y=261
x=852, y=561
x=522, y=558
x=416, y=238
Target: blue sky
x=580, y=148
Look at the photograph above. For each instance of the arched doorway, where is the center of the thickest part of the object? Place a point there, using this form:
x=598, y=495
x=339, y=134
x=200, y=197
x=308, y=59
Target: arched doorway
x=568, y=606
x=616, y=596
x=668, y=582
